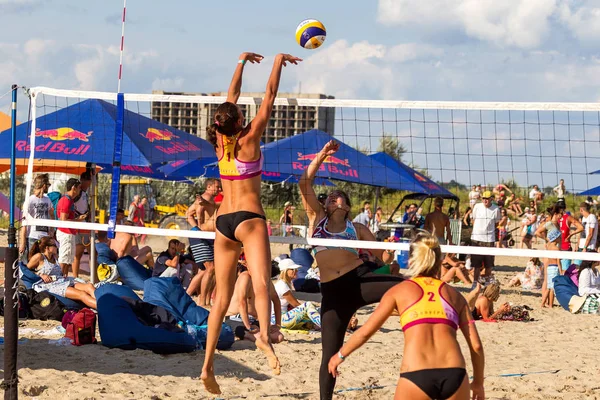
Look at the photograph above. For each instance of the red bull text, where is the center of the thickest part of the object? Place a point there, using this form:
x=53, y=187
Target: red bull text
x=58, y=135
x=331, y=164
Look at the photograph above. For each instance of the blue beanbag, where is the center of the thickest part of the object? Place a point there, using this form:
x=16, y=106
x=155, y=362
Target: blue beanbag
x=28, y=278
x=303, y=258
x=564, y=289
x=117, y=290
x=132, y=273
x=120, y=328
x=169, y=294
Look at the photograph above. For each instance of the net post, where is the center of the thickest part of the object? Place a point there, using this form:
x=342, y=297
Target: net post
x=116, y=172
x=93, y=198
x=11, y=330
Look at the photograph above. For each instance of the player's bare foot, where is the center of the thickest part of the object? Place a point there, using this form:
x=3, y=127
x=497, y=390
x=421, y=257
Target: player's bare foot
x=209, y=381
x=267, y=349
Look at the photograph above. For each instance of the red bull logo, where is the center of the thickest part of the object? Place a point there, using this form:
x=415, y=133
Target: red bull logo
x=328, y=159
x=332, y=164
x=60, y=134
x=153, y=134
x=420, y=177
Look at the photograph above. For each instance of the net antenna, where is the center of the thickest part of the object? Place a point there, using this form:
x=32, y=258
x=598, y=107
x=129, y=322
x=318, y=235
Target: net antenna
x=116, y=179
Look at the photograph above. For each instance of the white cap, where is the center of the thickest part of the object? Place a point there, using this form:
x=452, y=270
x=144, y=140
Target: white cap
x=288, y=263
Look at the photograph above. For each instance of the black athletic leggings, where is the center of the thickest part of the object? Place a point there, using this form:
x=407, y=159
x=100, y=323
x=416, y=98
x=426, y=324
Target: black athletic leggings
x=342, y=297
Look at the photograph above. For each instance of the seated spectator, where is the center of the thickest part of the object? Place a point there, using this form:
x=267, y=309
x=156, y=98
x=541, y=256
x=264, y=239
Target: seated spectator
x=409, y=214
x=512, y=204
x=104, y=254
x=589, y=286
x=188, y=268
x=484, y=305
x=294, y=314
x=167, y=264
x=532, y=278
x=243, y=309
x=43, y=261
x=126, y=244
x=454, y=270
x=589, y=278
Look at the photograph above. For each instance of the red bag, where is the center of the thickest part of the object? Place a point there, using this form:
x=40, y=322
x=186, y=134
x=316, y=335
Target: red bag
x=82, y=328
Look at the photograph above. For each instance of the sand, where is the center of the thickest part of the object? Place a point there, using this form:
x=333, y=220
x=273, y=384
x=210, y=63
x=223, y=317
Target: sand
x=558, y=354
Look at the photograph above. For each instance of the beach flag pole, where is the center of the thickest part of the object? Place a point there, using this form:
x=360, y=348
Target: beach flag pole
x=11, y=303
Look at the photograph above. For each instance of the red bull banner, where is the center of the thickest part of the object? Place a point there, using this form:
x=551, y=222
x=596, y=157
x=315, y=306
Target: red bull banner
x=153, y=134
x=331, y=164
x=59, y=135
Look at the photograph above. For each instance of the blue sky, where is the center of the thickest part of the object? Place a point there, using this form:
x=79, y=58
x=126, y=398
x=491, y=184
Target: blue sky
x=473, y=50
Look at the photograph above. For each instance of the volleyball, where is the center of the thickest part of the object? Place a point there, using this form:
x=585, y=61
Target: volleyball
x=310, y=34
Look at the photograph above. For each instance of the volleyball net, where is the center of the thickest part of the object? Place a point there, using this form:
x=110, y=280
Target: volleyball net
x=396, y=155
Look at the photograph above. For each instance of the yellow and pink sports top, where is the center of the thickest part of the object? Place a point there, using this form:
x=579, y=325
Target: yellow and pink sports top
x=431, y=308
x=233, y=169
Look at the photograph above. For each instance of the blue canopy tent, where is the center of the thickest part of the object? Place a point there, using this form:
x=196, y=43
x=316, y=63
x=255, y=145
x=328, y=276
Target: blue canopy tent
x=208, y=168
x=85, y=132
x=152, y=171
x=410, y=180
x=420, y=186
x=591, y=192
x=293, y=155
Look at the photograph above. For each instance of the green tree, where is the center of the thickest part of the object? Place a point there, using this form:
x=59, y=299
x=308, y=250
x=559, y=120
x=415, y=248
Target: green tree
x=391, y=146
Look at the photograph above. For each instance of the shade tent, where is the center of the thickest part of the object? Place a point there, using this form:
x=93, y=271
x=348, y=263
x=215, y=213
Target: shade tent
x=410, y=180
x=85, y=132
x=5, y=207
x=208, y=168
x=293, y=155
x=146, y=171
x=591, y=192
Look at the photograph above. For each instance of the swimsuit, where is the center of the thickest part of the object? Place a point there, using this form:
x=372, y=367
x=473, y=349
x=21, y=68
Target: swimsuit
x=231, y=168
x=321, y=232
x=432, y=308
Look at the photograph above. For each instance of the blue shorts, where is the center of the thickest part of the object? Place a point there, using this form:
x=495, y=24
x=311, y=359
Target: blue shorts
x=552, y=272
x=565, y=264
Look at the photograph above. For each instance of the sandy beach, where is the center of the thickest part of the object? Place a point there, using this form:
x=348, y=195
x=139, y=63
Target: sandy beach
x=554, y=357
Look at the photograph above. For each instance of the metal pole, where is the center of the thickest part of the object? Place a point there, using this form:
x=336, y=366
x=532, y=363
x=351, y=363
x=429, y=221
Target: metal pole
x=93, y=276
x=11, y=304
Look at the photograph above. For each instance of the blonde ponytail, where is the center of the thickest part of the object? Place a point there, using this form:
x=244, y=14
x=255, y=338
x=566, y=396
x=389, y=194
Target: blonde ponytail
x=425, y=256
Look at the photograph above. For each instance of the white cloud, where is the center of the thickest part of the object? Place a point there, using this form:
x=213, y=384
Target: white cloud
x=584, y=21
x=523, y=24
x=169, y=84
x=78, y=66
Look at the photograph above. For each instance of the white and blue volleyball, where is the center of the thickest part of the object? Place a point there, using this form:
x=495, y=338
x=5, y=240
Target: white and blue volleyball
x=310, y=34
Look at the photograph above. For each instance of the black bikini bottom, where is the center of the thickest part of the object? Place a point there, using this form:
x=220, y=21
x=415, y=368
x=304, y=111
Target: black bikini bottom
x=228, y=223
x=437, y=383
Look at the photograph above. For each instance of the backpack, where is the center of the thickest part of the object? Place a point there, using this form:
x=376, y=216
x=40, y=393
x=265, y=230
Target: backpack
x=44, y=306
x=82, y=328
x=24, y=309
x=55, y=198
